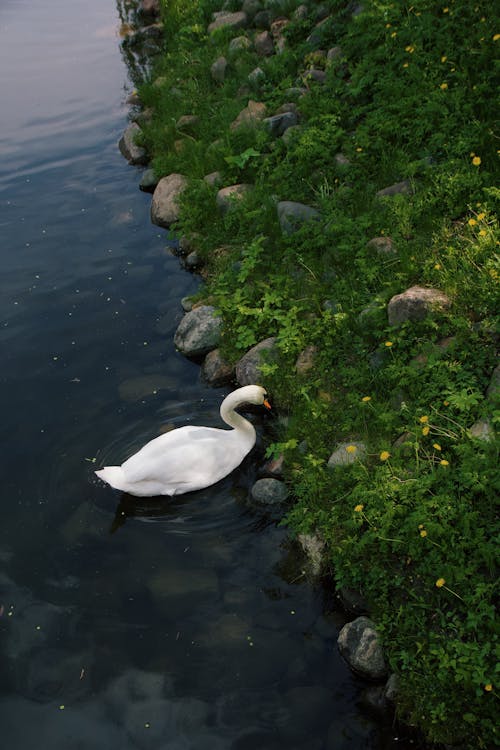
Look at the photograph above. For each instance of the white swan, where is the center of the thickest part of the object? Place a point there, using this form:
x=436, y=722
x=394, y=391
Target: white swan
x=190, y=458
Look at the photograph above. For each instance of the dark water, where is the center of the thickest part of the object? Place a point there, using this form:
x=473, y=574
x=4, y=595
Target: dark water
x=190, y=626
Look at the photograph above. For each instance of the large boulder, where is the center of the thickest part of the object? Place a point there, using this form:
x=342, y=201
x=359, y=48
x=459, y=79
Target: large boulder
x=359, y=644
x=228, y=195
x=248, y=368
x=250, y=115
x=127, y=144
x=292, y=214
x=216, y=371
x=269, y=491
x=164, y=206
x=415, y=304
x=278, y=124
x=198, y=332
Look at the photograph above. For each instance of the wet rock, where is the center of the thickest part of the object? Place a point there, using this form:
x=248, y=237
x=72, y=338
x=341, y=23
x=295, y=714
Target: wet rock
x=164, y=206
x=359, y=644
x=314, y=548
x=391, y=688
x=305, y=360
x=216, y=371
x=228, y=195
x=218, y=70
x=292, y=215
x=131, y=151
x=264, y=44
x=277, y=124
x=399, y=188
x=247, y=369
x=192, y=261
x=253, y=113
x=135, y=389
x=186, y=304
x=382, y=245
x=236, y=20
x=198, y=332
x=149, y=181
x=269, y=492
x=273, y=467
x=346, y=454
x=352, y=601
x=374, y=700
x=415, y=304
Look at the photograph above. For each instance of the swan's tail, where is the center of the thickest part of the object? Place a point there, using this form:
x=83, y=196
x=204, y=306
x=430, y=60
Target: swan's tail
x=114, y=476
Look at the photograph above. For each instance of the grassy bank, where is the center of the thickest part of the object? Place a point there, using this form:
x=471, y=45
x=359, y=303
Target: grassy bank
x=407, y=96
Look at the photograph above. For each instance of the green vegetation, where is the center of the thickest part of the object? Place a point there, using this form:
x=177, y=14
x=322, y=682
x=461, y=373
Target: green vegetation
x=412, y=523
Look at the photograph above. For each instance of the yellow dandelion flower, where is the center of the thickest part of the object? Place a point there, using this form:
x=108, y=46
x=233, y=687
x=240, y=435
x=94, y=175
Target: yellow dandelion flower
x=420, y=525
x=423, y=533
x=425, y=431
x=476, y=161
x=446, y=403
x=359, y=149
x=443, y=86
x=446, y=10
x=405, y=65
x=481, y=216
x=437, y=266
x=388, y=343
x=410, y=48
x=388, y=25
x=436, y=446
x=366, y=398
x=488, y=687
x=384, y=455
x=351, y=449
x=394, y=34
x=443, y=59
x=482, y=233
x=444, y=462
x=472, y=222
x=496, y=37
x=440, y=582
x=358, y=508
x=424, y=419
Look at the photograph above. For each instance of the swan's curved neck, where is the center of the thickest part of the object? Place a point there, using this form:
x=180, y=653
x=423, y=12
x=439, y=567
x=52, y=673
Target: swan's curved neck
x=235, y=420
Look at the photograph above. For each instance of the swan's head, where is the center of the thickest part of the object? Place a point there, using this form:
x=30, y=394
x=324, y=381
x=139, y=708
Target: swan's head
x=250, y=394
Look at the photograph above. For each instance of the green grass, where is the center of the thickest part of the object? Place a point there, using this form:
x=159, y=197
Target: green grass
x=411, y=97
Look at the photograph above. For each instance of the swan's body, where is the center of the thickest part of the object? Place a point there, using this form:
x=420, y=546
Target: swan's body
x=189, y=458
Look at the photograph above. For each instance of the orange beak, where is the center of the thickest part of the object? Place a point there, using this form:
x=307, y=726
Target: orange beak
x=267, y=404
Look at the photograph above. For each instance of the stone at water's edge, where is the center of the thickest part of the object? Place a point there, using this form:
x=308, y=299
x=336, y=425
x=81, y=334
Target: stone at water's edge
x=269, y=492
x=131, y=151
x=359, y=644
x=164, y=206
x=247, y=369
x=416, y=303
x=198, y=332
x=215, y=370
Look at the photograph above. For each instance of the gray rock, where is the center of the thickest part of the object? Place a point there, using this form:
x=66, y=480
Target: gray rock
x=359, y=644
x=164, y=206
x=149, y=8
x=343, y=454
x=482, y=430
x=373, y=698
x=315, y=74
x=493, y=390
x=186, y=304
x=301, y=13
x=216, y=371
x=256, y=76
x=382, y=245
x=262, y=20
x=247, y=369
x=251, y=7
x=269, y=491
x=236, y=20
x=192, y=261
x=277, y=124
x=292, y=214
x=314, y=548
x=334, y=53
x=149, y=181
x=213, y=179
x=264, y=44
x=305, y=360
x=250, y=115
x=392, y=688
x=187, y=123
x=291, y=134
x=218, y=70
x=415, y=304
x=404, y=187
x=131, y=151
x=198, y=332
x=239, y=44
x=228, y=195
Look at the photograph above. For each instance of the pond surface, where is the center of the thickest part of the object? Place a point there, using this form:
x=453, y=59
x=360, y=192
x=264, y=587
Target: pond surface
x=175, y=625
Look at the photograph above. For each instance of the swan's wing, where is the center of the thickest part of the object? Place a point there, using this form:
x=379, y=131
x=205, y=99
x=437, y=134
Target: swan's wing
x=187, y=456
